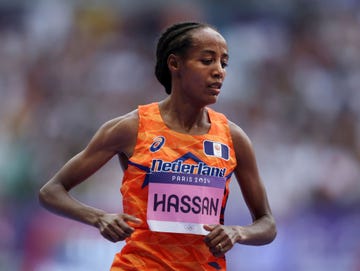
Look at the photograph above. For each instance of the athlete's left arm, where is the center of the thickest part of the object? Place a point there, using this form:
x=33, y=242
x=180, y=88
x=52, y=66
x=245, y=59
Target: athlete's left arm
x=263, y=229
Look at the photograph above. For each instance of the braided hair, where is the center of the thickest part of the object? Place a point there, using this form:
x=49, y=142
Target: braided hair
x=174, y=40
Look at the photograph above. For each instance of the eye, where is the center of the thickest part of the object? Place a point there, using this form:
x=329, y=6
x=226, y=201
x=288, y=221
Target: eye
x=207, y=61
x=224, y=64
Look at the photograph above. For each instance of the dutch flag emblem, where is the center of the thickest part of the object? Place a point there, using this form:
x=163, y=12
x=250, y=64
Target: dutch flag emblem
x=216, y=149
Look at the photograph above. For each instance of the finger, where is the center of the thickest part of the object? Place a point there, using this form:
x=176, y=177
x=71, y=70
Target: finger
x=210, y=239
x=208, y=227
x=124, y=227
x=115, y=232
x=216, y=244
x=123, y=223
x=219, y=244
x=220, y=249
x=111, y=236
x=130, y=218
x=107, y=236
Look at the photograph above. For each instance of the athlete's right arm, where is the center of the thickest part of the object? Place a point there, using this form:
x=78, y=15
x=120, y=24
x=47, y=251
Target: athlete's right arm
x=114, y=137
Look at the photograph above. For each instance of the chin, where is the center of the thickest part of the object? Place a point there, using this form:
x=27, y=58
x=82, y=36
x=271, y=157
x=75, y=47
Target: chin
x=206, y=100
x=212, y=100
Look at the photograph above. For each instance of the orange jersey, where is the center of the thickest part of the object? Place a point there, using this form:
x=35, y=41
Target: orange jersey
x=160, y=149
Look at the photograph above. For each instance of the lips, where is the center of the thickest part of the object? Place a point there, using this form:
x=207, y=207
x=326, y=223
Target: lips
x=215, y=88
x=216, y=85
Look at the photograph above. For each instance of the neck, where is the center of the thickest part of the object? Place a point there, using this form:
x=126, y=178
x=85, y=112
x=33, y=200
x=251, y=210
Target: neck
x=184, y=117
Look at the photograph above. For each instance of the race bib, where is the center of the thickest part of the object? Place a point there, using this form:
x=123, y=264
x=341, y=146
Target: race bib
x=183, y=203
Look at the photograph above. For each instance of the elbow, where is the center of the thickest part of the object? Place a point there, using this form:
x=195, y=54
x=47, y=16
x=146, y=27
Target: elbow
x=51, y=195
x=273, y=234
x=268, y=229
x=272, y=230
x=43, y=196
x=47, y=195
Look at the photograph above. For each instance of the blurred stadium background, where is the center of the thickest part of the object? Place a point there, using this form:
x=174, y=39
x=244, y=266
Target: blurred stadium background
x=293, y=85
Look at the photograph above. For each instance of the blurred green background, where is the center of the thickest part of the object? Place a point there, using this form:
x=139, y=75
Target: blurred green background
x=293, y=85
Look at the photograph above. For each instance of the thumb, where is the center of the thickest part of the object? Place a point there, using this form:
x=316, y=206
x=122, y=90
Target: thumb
x=131, y=218
x=208, y=227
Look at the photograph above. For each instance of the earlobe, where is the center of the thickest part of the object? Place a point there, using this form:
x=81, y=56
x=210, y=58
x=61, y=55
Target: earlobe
x=173, y=62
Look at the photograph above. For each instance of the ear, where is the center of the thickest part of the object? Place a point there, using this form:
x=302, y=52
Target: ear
x=173, y=62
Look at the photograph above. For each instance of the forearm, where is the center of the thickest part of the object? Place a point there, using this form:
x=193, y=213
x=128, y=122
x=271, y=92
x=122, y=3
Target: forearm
x=56, y=199
x=261, y=232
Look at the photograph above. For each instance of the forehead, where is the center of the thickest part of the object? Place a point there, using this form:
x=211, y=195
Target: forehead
x=207, y=39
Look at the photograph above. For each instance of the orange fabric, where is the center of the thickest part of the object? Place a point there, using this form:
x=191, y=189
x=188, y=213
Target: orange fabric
x=148, y=250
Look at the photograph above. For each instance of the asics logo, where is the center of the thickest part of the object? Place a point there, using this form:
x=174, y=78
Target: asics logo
x=158, y=142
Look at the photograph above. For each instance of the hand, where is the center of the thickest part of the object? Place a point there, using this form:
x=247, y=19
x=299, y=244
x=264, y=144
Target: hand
x=114, y=227
x=220, y=239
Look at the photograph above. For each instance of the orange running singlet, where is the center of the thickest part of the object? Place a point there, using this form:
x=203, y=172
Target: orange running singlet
x=162, y=150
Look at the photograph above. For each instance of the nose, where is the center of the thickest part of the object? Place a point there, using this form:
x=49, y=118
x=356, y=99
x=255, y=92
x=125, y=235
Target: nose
x=218, y=71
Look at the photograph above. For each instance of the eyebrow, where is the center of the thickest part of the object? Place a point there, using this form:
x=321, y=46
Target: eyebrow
x=213, y=53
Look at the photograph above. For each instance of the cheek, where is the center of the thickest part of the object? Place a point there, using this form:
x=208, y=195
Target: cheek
x=198, y=73
x=196, y=82
x=192, y=76
x=197, y=78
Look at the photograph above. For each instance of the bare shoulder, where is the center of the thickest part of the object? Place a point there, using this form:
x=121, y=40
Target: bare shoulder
x=243, y=146
x=128, y=122
x=239, y=137
x=118, y=134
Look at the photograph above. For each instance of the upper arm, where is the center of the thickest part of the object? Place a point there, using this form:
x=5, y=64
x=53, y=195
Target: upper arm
x=114, y=137
x=247, y=174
